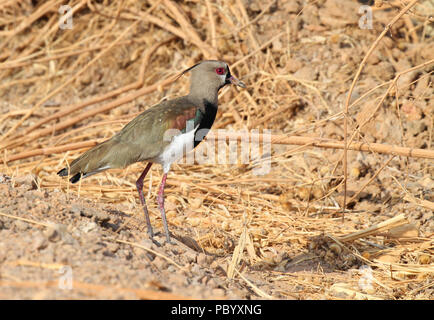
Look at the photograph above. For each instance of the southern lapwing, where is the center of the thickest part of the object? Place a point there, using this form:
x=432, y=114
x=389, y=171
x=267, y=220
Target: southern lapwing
x=162, y=134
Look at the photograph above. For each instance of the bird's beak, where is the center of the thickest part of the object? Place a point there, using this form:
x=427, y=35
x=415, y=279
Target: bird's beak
x=237, y=82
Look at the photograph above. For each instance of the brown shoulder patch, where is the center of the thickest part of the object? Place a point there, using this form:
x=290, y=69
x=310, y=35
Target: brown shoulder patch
x=180, y=120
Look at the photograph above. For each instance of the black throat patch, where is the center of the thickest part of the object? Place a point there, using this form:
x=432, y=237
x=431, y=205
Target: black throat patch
x=206, y=122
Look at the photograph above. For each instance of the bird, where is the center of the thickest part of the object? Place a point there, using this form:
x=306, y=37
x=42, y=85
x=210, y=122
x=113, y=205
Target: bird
x=161, y=134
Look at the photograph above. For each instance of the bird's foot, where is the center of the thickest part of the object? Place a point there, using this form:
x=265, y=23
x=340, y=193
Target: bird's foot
x=168, y=239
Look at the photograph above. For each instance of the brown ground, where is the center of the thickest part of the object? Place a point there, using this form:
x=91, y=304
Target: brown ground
x=237, y=235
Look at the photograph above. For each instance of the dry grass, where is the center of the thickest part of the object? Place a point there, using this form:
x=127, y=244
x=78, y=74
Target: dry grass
x=65, y=90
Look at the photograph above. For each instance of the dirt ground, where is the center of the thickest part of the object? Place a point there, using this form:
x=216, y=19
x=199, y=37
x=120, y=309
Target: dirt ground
x=236, y=235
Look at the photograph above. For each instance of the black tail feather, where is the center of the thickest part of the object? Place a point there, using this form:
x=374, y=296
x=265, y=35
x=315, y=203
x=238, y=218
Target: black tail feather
x=64, y=173
x=75, y=178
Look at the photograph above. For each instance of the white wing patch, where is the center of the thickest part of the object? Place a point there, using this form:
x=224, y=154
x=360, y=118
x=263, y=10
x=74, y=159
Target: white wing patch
x=87, y=174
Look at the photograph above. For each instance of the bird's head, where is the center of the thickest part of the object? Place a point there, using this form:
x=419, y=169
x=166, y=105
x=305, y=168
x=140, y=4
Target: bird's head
x=211, y=75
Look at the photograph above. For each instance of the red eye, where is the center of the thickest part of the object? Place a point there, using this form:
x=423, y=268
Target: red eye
x=220, y=71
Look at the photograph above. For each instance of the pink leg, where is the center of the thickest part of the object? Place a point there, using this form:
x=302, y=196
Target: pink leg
x=139, y=185
x=160, y=200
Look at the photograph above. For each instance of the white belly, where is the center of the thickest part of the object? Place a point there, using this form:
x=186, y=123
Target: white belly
x=179, y=146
